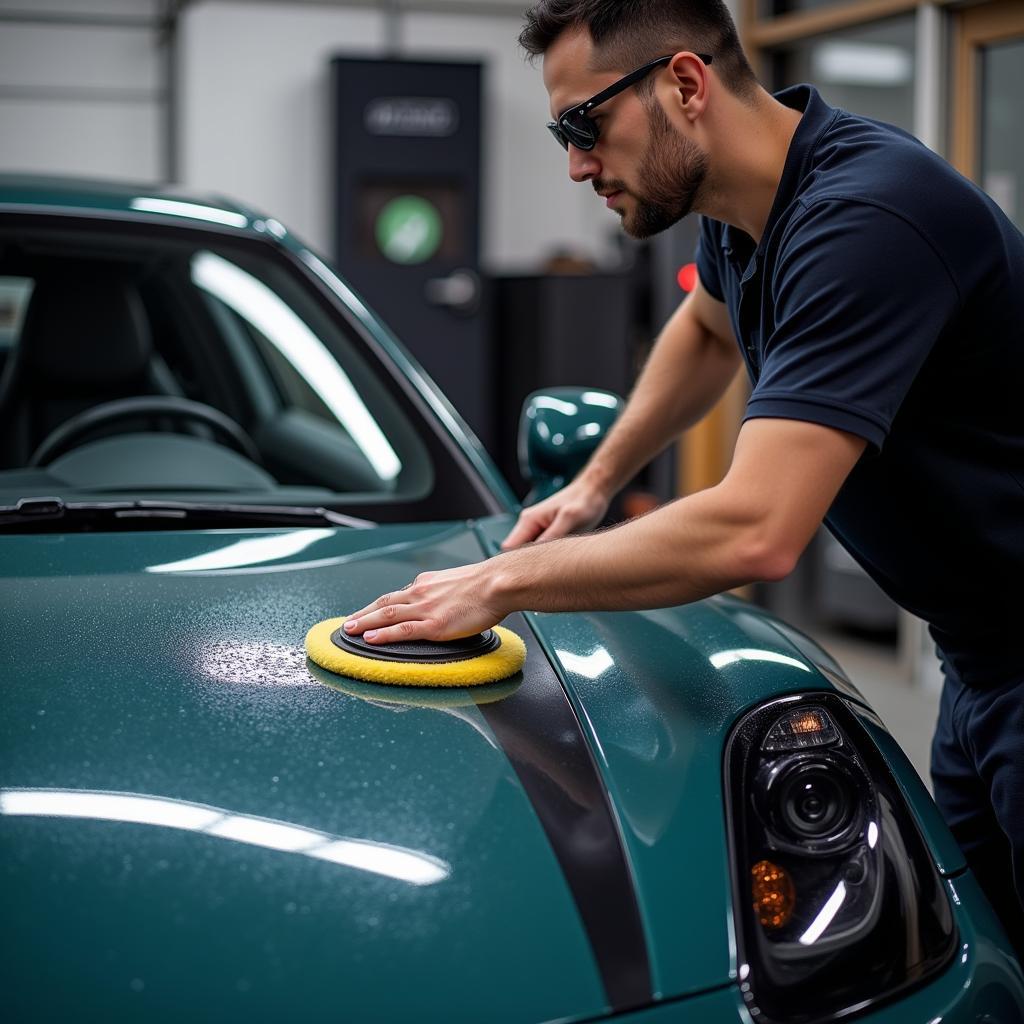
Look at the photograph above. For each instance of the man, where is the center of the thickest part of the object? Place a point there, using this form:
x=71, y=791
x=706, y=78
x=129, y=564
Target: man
x=877, y=300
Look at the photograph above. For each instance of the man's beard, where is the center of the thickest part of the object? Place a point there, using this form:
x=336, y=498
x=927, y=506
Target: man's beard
x=672, y=171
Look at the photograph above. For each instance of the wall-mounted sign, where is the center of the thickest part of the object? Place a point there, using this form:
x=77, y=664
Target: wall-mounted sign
x=409, y=230
x=411, y=115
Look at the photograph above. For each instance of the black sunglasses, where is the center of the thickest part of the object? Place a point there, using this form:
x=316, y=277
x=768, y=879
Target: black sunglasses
x=575, y=125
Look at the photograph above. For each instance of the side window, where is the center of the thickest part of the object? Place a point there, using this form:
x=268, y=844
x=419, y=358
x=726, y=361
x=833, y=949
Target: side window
x=330, y=407
x=14, y=295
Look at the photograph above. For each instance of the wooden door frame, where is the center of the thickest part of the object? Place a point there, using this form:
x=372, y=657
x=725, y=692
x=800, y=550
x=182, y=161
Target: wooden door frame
x=760, y=33
x=974, y=28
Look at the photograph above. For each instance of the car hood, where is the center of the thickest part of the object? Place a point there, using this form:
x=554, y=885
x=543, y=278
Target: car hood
x=194, y=822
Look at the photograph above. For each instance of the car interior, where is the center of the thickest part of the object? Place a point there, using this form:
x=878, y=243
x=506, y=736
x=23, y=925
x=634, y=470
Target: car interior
x=154, y=363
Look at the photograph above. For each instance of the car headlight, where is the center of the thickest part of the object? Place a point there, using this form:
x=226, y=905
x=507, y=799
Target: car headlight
x=838, y=901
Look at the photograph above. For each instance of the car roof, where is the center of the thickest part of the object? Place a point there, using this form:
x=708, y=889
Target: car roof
x=46, y=193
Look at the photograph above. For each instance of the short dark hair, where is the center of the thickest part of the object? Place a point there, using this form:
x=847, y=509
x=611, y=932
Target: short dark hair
x=629, y=33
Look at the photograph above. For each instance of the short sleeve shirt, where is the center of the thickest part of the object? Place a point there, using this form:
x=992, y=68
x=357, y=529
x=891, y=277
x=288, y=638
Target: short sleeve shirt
x=886, y=299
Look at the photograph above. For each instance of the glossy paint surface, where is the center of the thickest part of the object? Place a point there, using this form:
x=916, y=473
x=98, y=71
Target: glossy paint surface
x=984, y=983
x=169, y=666
x=560, y=429
x=193, y=824
x=181, y=797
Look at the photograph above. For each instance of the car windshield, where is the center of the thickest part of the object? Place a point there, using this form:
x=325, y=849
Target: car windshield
x=146, y=363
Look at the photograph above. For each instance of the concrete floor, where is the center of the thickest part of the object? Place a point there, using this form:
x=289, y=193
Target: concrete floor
x=909, y=709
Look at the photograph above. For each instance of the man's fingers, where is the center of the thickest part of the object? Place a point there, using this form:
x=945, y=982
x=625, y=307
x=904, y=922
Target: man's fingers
x=521, y=534
x=525, y=530
x=382, y=612
x=562, y=525
x=404, y=631
x=357, y=617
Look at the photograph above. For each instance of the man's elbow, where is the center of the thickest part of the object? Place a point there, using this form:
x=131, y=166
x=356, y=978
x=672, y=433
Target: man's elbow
x=766, y=559
x=761, y=542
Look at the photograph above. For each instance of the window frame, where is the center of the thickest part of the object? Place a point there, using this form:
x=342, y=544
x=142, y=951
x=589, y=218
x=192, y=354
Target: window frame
x=761, y=33
x=975, y=28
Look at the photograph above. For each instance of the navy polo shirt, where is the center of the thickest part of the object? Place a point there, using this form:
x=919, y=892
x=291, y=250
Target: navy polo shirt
x=886, y=299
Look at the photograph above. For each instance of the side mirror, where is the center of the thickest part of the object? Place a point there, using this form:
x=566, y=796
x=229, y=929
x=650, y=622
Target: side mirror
x=558, y=431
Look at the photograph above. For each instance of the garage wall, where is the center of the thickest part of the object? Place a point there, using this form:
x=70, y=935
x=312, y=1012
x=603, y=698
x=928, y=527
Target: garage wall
x=253, y=102
x=81, y=88
x=254, y=117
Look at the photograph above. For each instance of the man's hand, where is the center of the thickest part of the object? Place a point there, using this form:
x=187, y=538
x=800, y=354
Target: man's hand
x=574, y=509
x=435, y=606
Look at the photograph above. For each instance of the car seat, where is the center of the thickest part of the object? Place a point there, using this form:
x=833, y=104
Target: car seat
x=85, y=340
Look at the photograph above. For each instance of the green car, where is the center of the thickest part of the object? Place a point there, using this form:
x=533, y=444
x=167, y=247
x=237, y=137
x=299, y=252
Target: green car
x=210, y=444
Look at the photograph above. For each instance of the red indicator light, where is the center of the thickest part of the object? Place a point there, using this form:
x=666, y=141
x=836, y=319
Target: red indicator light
x=687, y=277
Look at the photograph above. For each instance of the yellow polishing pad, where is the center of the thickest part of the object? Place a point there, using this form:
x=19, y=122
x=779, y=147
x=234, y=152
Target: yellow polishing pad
x=500, y=663
x=445, y=698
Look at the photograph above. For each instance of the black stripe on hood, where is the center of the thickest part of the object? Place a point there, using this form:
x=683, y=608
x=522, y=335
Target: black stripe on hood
x=540, y=734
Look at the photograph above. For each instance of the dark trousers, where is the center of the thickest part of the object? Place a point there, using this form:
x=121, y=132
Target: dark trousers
x=978, y=776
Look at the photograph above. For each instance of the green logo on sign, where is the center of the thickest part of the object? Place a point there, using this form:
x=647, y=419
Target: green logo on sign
x=409, y=230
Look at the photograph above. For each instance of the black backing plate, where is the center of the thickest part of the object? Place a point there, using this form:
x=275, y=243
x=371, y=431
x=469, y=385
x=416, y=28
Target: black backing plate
x=422, y=652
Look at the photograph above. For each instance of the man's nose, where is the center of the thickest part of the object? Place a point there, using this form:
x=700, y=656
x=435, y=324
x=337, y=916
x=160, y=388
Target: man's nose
x=583, y=165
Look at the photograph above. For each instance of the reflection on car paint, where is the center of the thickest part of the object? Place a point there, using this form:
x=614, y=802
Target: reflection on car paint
x=252, y=551
x=723, y=658
x=177, y=208
x=401, y=698
x=591, y=665
x=396, y=862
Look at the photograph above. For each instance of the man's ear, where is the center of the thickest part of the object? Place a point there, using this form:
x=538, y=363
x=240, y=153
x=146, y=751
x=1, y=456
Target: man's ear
x=691, y=82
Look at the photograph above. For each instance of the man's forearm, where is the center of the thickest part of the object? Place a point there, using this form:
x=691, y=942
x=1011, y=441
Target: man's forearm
x=682, y=552
x=687, y=372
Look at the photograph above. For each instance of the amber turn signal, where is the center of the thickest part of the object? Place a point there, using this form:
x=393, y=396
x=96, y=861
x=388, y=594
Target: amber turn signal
x=809, y=721
x=805, y=727
x=774, y=895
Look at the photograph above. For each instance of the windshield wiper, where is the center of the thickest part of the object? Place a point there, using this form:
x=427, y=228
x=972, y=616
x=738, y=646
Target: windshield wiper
x=49, y=515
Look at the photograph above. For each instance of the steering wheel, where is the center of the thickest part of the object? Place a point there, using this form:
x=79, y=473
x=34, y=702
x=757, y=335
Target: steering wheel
x=68, y=434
